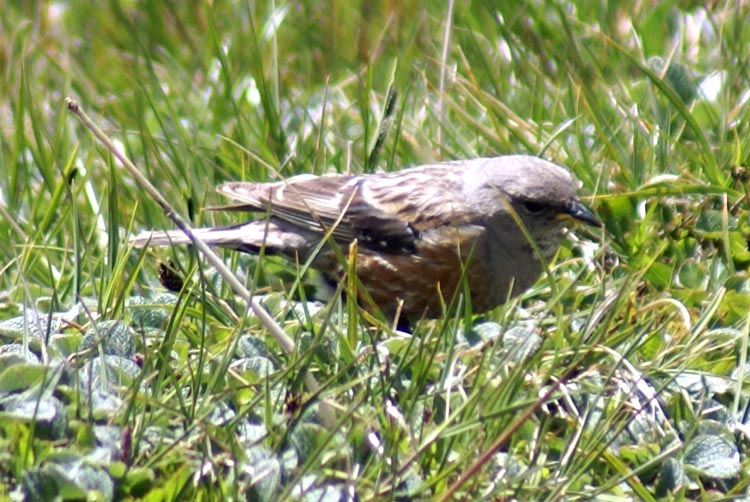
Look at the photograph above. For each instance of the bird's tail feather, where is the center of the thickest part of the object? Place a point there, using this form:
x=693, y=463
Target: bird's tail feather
x=249, y=237
x=212, y=237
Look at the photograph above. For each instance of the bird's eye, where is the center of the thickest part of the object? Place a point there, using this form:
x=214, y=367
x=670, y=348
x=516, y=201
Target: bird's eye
x=534, y=207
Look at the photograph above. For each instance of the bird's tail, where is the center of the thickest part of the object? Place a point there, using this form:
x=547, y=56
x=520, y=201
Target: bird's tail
x=248, y=237
x=211, y=236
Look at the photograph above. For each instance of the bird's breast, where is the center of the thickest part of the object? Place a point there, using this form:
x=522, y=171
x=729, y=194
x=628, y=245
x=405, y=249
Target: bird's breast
x=444, y=262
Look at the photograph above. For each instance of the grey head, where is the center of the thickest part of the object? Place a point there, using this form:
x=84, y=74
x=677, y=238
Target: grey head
x=532, y=185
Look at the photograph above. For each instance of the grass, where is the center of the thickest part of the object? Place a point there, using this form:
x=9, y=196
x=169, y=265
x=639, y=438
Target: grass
x=620, y=376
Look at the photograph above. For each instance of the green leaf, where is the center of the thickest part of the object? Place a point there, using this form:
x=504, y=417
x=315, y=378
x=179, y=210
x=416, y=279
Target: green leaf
x=22, y=376
x=692, y=274
x=713, y=456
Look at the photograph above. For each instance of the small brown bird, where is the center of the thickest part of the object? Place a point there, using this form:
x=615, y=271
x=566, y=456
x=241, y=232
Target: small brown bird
x=417, y=230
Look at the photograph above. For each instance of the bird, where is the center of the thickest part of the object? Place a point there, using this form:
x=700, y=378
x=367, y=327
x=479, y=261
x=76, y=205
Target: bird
x=423, y=234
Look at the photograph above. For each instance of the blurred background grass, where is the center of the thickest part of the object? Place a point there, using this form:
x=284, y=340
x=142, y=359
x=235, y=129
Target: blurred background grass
x=646, y=102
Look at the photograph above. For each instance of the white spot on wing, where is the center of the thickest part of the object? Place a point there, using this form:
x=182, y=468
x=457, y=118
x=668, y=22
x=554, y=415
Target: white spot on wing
x=385, y=263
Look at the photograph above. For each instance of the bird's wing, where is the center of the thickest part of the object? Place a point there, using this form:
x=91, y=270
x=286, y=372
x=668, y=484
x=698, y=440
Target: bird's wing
x=314, y=203
x=386, y=211
x=425, y=197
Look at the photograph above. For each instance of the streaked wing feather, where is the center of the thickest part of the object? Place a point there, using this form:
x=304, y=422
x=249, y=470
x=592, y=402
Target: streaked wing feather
x=311, y=203
x=424, y=197
x=385, y=211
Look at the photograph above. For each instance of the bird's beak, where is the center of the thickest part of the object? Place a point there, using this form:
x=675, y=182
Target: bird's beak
x=577, y=212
